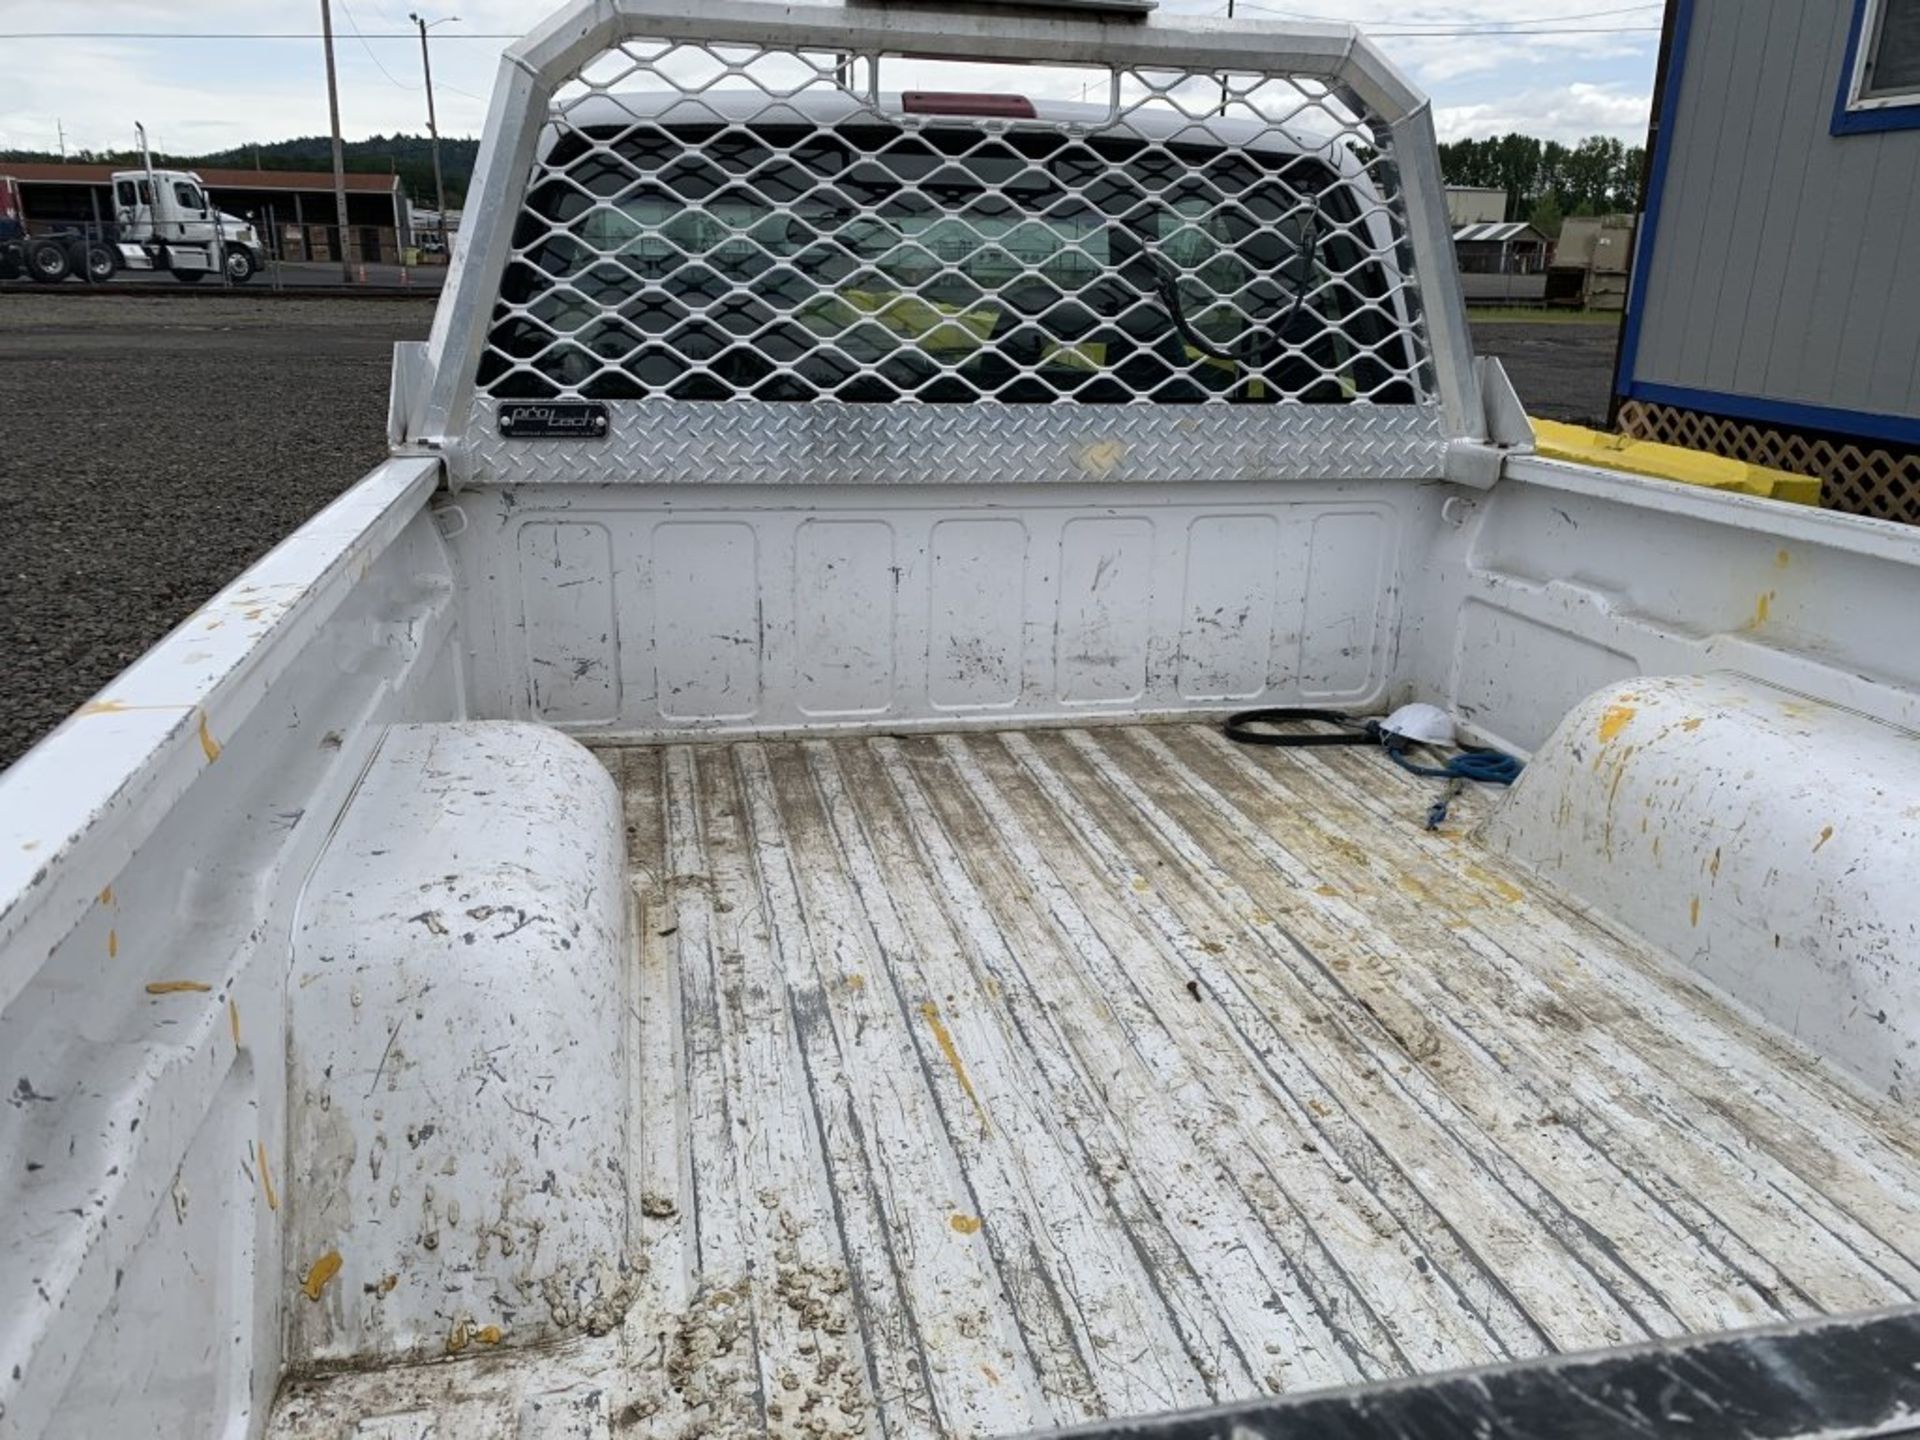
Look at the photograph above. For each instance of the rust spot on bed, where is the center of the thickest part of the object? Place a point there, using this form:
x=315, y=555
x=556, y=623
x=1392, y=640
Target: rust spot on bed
x=931, y=1013
x=319, y=1273
x=209, y=746
x=106, y=896
x=965, y=1224
x=1694, y=912
x=113, y=946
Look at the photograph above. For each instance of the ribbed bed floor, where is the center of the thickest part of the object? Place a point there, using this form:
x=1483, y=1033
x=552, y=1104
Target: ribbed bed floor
x=993, y=1082
x=1002, y=1080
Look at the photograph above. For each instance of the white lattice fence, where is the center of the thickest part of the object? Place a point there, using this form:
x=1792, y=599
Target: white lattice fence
x=1856, y=479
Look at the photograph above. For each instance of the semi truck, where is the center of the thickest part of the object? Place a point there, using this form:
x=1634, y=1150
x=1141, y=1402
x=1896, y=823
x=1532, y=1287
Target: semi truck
x=181, y=232
x=709, y=893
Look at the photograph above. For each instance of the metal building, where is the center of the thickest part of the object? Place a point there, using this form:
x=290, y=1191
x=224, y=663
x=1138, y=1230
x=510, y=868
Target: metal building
x=293, y=207
x=1504, y=263
x=1475, y=205
x=1774, y=312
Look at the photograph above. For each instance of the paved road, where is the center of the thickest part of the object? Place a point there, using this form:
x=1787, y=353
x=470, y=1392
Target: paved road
x=292, y=274
x=152, y=447
x=1560, y=371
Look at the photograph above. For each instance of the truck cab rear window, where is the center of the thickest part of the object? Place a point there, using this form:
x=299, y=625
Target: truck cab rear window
x=864, y=262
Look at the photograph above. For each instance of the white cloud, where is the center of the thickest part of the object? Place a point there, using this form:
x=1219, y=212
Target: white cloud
x=1566, y=115
x=197, y=96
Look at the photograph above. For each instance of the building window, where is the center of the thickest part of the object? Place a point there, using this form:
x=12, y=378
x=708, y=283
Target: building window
x=1880, y=86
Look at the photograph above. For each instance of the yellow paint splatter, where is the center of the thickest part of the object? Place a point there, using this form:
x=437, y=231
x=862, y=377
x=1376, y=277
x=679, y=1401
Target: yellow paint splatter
x=488, y=1334
x=1826, y=834
x=1781, y=559
x=233, y=1021
x=1140, y=885
x=1762, y=608
x=993, y=1375
x=106, y=896
x=209, y=746
x=266, y=1176
x=1327, y=890
x=121, y=707
x=1695, y=913
x=1713, y=865
x=965, y=1224
x=1615, y=720
x=387, y=1282
x=113, y=946
x=319, y=1273
x=1692, y=723
x=457, y=1341
x=856, y=983
x=931, y=1013
x=176, y=987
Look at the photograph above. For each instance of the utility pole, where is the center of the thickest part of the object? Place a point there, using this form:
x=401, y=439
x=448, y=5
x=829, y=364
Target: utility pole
x=339, y=160
x=433, y=125
x=61, y=126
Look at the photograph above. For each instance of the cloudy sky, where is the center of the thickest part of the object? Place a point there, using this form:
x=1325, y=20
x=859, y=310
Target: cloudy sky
x=1491, y=65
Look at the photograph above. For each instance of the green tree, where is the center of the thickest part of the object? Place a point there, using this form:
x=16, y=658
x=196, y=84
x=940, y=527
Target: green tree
x=1546, y=216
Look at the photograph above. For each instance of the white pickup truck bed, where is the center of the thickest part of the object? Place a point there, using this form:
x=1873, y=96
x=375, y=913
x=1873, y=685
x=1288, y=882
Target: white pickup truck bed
x=998, y=1081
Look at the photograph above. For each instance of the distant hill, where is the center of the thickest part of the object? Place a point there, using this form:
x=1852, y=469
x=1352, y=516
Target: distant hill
x=409, y=156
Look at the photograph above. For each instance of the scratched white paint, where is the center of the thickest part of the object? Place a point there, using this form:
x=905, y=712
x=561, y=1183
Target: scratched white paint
x=1762, y=838
x=776, y=614
x=457, y=1086
x=170, y=861
x=957, y=1085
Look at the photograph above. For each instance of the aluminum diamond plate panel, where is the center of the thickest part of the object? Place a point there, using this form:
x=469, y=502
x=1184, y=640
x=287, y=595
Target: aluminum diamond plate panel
x=829, y=443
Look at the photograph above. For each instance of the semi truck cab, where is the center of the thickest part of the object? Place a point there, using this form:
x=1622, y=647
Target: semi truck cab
x=166, y=221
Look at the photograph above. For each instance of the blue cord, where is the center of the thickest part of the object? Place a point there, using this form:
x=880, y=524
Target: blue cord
x=1488, y=767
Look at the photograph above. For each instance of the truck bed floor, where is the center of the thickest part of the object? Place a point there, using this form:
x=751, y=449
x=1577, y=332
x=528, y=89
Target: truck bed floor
x=997, y=1081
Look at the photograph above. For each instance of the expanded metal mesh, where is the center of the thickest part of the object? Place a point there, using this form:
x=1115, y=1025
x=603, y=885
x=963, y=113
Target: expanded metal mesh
x=709, y=222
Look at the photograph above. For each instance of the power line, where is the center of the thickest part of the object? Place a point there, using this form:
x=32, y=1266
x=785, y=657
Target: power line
x=354, y=25
x=1445, y=32
x=226, y=35
x=1474, y=26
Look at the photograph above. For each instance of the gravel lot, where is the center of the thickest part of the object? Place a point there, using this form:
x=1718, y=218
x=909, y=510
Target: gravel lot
x=151, y=448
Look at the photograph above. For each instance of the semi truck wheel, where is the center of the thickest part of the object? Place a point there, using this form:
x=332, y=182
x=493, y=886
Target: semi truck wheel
x=188, y=277
x=102, y=261
x=48, y=261
x=241, y=265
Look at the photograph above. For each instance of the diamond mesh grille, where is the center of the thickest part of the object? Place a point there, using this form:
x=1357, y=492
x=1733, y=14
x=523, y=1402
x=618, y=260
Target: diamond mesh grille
x=712, y=222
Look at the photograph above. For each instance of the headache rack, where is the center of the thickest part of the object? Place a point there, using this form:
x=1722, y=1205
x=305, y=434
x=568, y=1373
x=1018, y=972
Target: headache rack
x=753, y=243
